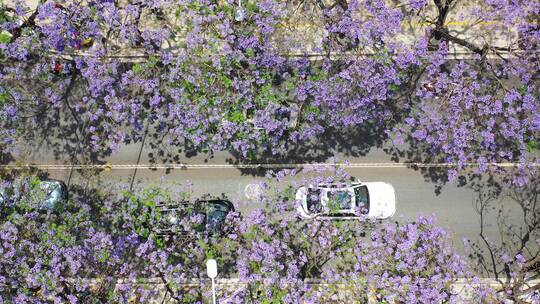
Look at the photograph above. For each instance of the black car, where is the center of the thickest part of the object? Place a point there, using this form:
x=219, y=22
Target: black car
x=55, y=193
x=191, y=218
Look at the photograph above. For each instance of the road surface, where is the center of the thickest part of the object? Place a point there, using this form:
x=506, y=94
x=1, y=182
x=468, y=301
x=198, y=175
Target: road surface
x=416, y=195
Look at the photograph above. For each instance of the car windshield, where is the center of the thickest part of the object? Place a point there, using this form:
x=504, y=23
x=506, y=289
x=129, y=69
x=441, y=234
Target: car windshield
x=200, y=217
x=216, y=214
x=339, y=200
x=313, y=200
x=53, y=194
x=362, y=199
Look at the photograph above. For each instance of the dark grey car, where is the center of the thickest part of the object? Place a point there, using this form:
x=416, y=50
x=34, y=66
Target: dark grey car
x=202, y=216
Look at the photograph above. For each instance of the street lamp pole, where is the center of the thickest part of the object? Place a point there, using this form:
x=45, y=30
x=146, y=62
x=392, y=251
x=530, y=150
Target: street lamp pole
x=240, y=13
x=211, y=270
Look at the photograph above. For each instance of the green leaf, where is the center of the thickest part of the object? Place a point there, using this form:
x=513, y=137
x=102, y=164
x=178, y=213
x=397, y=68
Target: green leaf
x=236, y=116
x=34, y=183
x=251, y=6
x=103, y=256
x=313, y=109
x=251, y=154
x=143, y=231
x=255, y=267
x=250, y=52
x=160, y=243
x=227, y=9
x=251, y=234
x=3, y=98
x=278, y=294
x=149, y=203
x=137, y=68
x=3, y=16
x=522, y=90
x=394, y=87
x=4, y=38
x=194, y=5
x=152, y=61
x=210, y=253
x=227, y=82
x=532, y=146
x=318, y=74
x=289, y=192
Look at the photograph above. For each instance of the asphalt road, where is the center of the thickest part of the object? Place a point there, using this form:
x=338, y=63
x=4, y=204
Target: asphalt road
x=453, y=207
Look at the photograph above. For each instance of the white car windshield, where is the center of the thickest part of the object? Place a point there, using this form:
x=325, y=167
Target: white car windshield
x=362, y=199
x=314, y=200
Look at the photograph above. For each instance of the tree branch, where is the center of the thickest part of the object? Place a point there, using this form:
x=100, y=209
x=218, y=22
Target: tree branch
x=445, y=35
x=168, y=287
x=30, y=22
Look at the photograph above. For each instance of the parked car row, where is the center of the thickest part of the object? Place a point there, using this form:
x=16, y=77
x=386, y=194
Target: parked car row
x=356, y=200
x=54, y=194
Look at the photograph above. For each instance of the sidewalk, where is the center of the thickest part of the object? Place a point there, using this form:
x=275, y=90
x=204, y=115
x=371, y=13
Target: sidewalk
x=462, y=287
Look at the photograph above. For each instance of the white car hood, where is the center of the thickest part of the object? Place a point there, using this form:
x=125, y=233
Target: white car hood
x=382, y=199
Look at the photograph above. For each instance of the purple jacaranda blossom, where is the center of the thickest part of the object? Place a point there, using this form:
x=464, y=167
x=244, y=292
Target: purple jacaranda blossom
x=221, y=108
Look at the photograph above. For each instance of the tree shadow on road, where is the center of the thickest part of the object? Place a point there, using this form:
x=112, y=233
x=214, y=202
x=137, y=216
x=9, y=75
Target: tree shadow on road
x=419, y=158
x=59, y=128
x=351, y=142
x=513, y=258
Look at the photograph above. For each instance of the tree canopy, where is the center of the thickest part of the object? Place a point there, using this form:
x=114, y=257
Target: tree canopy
x=100, y=74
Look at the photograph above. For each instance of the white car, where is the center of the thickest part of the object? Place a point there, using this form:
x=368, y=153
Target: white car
x=376, y=200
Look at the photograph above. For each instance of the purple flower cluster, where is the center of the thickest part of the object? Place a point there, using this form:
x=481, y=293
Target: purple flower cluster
x=410, y=263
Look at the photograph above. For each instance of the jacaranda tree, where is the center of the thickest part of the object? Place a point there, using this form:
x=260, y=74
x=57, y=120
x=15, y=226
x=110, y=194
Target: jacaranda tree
x=221, y=75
